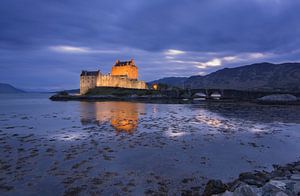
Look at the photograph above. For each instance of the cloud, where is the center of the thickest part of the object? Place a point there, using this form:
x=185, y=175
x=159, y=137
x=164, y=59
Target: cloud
x=202, y=73
x=230, y=58
x=191, y=36
x=256, y=55
x=172, y=52
x=69, y=49
x=212, y=63
x=238, y=58
x=74, y=49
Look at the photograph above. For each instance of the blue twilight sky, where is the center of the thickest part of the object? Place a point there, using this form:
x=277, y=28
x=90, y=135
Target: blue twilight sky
x=44, y=44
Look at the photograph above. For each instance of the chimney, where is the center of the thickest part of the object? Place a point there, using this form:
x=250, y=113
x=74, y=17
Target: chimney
x=132, y=61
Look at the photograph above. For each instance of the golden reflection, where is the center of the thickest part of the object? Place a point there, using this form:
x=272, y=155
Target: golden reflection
x=212, y=120
x=123, y=116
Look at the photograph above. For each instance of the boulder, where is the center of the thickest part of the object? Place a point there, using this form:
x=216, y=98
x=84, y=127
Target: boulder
x=247, y=190
x=214, y=187
x=295, y=177
x=281, y=194
x=278, y=98
x=296, y=188
x=282, y=181
x=226, y=193
x=233, y=185
x=274, y=187
x=279, y=184
x=257, y=179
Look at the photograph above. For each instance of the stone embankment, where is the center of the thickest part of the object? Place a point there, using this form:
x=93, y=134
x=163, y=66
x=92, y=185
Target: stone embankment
x=282, y=181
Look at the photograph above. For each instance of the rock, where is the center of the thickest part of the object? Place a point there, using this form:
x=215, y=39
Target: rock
x=297, y=188
x=257, y=179
x=292, y=187
x=214, y=187
x=295, y=177
x=279, y=173
x=281, y=194
x=289, y=185
x=278, y=98
x=282, y=181
x=282, y=178
x=273, y=187
x=297, y=167
x=247, y=190
x=226, y=193
x=278, y=184
x=235, y=184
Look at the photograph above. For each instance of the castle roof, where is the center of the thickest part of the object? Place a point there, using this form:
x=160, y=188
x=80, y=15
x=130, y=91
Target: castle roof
x=124, y=63
x=90, y=73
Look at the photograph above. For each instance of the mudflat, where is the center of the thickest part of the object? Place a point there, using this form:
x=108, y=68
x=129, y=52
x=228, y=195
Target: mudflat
x=126, y=148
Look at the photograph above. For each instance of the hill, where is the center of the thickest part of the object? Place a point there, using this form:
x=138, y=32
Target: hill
x=7, y=88
x=260, y=76
x=170, y=81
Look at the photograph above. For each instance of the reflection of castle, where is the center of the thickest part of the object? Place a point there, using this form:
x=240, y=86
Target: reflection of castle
x=123, y=75
x=123, y=116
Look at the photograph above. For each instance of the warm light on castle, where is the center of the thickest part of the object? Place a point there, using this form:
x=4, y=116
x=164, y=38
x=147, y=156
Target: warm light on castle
x=123, y=75
x=127, y=68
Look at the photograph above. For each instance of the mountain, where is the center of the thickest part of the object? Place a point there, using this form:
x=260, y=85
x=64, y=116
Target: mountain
x=7, y=88
x=170, y=81
x=260, y=76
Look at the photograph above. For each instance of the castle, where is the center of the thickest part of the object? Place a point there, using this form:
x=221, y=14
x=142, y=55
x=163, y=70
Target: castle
x=123, y=75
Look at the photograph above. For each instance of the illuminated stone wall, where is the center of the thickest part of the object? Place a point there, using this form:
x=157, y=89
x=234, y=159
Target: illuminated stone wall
x=126, y=70
x=121, y=82
x=87, y=82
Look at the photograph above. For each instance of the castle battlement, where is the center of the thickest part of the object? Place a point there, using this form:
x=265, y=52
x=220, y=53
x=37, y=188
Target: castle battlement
x=125, y=68
x=123, y=75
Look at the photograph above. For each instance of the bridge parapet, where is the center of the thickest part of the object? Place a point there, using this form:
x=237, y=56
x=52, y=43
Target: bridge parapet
x=237, y=94
x=208, y=93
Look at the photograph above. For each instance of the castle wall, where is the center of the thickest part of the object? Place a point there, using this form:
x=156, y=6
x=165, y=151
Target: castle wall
x=129, y=70
x=117, y=81
x=87, y=82
x=123, y=75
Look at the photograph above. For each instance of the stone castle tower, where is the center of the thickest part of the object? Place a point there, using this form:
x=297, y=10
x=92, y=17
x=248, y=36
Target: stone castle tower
x=123, y=75
x=126, y=68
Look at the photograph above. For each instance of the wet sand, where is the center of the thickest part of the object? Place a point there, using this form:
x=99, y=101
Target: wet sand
x=67, y=148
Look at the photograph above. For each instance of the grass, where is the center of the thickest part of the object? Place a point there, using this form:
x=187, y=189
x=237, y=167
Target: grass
x=120, y=91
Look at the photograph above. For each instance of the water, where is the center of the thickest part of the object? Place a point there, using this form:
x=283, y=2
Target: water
x=55, y=148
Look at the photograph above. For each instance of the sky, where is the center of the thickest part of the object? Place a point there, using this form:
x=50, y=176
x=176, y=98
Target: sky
x=45, y=44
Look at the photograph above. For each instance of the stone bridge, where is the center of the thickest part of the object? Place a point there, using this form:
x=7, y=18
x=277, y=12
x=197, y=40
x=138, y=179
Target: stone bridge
x=234, y=94
x=207, y=93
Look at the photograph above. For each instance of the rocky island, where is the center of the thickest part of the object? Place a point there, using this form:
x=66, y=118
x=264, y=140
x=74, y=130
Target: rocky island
x=123, y=85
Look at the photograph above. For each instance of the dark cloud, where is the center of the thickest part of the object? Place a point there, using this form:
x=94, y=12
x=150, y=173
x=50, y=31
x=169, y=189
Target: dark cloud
x=210, y=34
